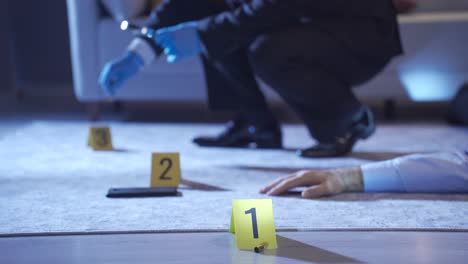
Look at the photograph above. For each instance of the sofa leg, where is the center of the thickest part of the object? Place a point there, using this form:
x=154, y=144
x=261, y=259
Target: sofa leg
x=93, y=110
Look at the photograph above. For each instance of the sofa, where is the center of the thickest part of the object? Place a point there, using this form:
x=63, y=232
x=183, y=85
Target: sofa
x=433, y=67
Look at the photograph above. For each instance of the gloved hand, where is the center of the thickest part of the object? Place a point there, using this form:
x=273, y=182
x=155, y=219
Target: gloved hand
x=180, y=41
x=322, y=183
x=116, y=72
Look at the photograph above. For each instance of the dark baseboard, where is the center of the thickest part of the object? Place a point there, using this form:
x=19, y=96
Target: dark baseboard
x=197, y=112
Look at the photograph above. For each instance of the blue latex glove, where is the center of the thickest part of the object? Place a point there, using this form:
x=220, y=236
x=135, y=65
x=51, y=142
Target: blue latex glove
x=180, y=41
x=116, y=72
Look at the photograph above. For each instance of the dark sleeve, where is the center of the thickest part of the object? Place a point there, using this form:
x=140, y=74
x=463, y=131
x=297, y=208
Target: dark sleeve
x=164, y=15
x=231, y=30
x=173, y=12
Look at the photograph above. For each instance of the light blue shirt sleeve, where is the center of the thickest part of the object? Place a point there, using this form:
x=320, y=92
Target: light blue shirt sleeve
x=445, y=172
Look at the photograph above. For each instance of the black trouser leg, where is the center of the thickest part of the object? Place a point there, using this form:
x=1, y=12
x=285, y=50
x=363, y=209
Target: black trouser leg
x=327, y=108
x=242, y=92
x=313, y=73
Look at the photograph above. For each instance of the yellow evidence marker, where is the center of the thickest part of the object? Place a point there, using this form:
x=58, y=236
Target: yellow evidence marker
x=165, y=170
x=253, y=224
x=99, y=138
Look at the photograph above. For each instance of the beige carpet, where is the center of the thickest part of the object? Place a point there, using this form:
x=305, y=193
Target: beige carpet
x=51, y=182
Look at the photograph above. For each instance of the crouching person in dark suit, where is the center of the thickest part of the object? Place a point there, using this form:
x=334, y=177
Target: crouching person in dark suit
x=311, y=52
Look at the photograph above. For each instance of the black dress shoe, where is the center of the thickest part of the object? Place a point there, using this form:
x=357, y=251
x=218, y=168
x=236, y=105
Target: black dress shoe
x=241, y=134
x=342, y=146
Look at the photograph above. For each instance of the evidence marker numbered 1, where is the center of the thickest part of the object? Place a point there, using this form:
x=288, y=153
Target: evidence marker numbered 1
x=253, y=224
x=99, y=138
x=165, y=170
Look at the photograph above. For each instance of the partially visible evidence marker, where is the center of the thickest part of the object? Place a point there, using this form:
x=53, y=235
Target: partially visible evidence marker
x=99, y=138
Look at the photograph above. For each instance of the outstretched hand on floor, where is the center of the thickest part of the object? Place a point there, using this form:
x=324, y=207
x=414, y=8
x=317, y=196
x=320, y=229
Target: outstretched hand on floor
x=319, y=182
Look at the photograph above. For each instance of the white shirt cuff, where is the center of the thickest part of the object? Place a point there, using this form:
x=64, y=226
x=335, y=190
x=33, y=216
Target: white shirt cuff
x=382, y=177
x=143, y=49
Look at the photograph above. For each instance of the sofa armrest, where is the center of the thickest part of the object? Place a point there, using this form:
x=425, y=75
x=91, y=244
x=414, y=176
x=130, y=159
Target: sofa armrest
x=83, y=18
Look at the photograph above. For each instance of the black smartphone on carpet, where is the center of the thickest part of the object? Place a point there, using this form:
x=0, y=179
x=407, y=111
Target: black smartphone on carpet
x=142, y=192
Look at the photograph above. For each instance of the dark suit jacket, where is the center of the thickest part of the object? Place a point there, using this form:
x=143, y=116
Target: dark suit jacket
x=359, y=24
x=368, y=28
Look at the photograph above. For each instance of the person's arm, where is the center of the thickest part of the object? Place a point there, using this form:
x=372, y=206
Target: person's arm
x=217, y=34
x=225, y=32
x=318, y=182
x=142, y=50
x=422, y=173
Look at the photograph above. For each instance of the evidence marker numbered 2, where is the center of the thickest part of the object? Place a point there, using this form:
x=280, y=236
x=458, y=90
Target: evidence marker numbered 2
x=165, y=170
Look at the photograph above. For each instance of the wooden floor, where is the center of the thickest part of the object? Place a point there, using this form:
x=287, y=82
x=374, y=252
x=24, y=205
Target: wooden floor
x=294, y=247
